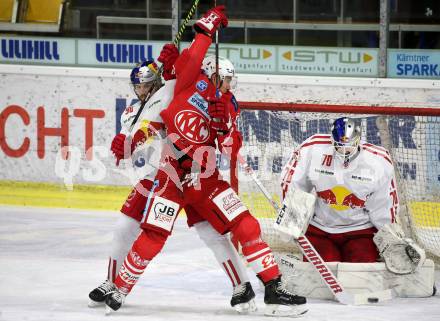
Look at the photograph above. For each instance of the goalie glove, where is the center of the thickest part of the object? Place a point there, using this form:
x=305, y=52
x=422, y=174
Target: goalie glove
x=295, y=213
x=401, y=255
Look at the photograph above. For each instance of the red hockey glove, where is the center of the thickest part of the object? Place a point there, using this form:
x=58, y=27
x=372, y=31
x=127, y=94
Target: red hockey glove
x=218, y=110
x=117, y=148
x=211, y=21
x=219, y=107
x=168, y=57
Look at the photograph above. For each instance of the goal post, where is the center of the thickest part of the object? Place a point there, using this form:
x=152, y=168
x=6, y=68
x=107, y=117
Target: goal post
x=271, y=131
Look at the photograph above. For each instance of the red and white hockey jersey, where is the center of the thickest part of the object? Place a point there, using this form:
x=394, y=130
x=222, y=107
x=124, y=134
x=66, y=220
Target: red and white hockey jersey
x=148, y=132
x=359, y=196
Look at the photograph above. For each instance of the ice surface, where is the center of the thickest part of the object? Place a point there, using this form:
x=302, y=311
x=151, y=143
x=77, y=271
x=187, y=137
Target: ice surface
x=51, y=258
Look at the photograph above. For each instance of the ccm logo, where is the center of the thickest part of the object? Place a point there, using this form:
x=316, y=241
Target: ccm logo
x=162, y=209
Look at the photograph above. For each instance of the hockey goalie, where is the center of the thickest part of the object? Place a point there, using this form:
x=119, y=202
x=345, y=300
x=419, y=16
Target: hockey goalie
x=353, y=222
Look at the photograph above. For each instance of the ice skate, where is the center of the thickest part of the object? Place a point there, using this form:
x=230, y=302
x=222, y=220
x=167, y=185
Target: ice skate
x=243, y=298
x=280, y=302
x=98, y=295
x=114, y=301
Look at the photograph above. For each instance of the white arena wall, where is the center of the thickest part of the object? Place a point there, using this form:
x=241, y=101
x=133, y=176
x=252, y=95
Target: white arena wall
x=80, y=105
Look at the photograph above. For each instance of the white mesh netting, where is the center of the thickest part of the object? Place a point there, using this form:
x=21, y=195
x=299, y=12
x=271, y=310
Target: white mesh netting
x=413, y=141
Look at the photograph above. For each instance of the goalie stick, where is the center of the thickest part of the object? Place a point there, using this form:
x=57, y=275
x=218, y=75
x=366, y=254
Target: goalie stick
x=318, y=263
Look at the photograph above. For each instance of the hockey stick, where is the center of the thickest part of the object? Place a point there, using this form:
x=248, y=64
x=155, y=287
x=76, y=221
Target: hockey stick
x=159, y=72
x=318, y=263
x=182, y=29
x=217, y=76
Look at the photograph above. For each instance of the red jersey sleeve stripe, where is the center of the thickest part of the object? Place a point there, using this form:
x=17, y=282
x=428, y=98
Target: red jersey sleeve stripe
x=318, y=142
x=375, y=152
x=379, y=148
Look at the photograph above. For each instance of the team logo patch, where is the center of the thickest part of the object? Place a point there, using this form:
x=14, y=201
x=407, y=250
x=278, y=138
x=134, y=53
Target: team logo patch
x=163, y=213
x=229, y=203
x=202, y=85
x=200, y=103
x=192, y=125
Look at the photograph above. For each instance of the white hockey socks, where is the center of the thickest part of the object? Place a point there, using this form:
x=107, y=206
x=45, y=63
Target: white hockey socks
x=125, y=232
x=224, y=252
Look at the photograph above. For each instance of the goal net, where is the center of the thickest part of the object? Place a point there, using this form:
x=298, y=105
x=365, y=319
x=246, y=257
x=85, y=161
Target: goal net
x=271, y=131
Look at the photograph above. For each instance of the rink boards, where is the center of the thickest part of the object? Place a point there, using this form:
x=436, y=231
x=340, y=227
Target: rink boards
x=45, y=108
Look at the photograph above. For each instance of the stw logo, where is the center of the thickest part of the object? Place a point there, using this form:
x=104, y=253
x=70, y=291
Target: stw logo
x=192, y=125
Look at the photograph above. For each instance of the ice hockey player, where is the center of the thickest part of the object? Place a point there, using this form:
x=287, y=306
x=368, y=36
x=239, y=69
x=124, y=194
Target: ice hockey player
x=196, y=118
x=146, y=138
x=355, y=214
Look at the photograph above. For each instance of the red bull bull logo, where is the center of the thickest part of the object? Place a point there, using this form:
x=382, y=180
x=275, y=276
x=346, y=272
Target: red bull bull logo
x=340, y=198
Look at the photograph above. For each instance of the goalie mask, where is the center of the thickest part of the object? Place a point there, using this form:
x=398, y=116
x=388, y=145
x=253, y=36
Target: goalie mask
x=143, y=78
x=226, y=70
x=346, y=136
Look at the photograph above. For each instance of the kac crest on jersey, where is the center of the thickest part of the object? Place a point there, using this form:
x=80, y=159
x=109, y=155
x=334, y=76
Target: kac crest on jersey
x=192, y=125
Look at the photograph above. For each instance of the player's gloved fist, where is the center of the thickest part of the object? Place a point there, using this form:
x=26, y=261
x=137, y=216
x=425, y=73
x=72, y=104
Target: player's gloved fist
x=168, y=57
x=211, y=21
x=117, y=147
x=218, y=110
x=218, y=107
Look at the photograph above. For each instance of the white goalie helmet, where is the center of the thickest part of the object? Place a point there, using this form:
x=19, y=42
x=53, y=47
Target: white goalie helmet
x=225, y=69
x=346, y=136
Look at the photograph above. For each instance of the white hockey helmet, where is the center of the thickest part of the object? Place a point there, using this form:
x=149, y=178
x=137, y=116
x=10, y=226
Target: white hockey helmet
x=225, y=69
x=144, y=72
x=346, y=137
x=144, y=78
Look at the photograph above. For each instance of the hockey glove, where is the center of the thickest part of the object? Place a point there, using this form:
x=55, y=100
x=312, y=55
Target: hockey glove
x=218, y=110
x=211, y=21
x=219, y=106
x=401, y=255
x=168, y=57
x=118, y=146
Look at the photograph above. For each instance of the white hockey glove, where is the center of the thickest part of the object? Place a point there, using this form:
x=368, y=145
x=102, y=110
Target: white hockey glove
x=295, y=213
x=401, y=255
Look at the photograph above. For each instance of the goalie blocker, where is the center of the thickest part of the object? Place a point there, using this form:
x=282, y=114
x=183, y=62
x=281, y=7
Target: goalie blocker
x=294, y=215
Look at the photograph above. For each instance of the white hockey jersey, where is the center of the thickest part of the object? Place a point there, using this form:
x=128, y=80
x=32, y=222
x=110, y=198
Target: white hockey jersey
x=359, y=196
x=150, y=127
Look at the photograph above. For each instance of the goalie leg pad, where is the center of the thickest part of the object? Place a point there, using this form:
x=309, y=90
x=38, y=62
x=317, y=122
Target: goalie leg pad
x=301, y=278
